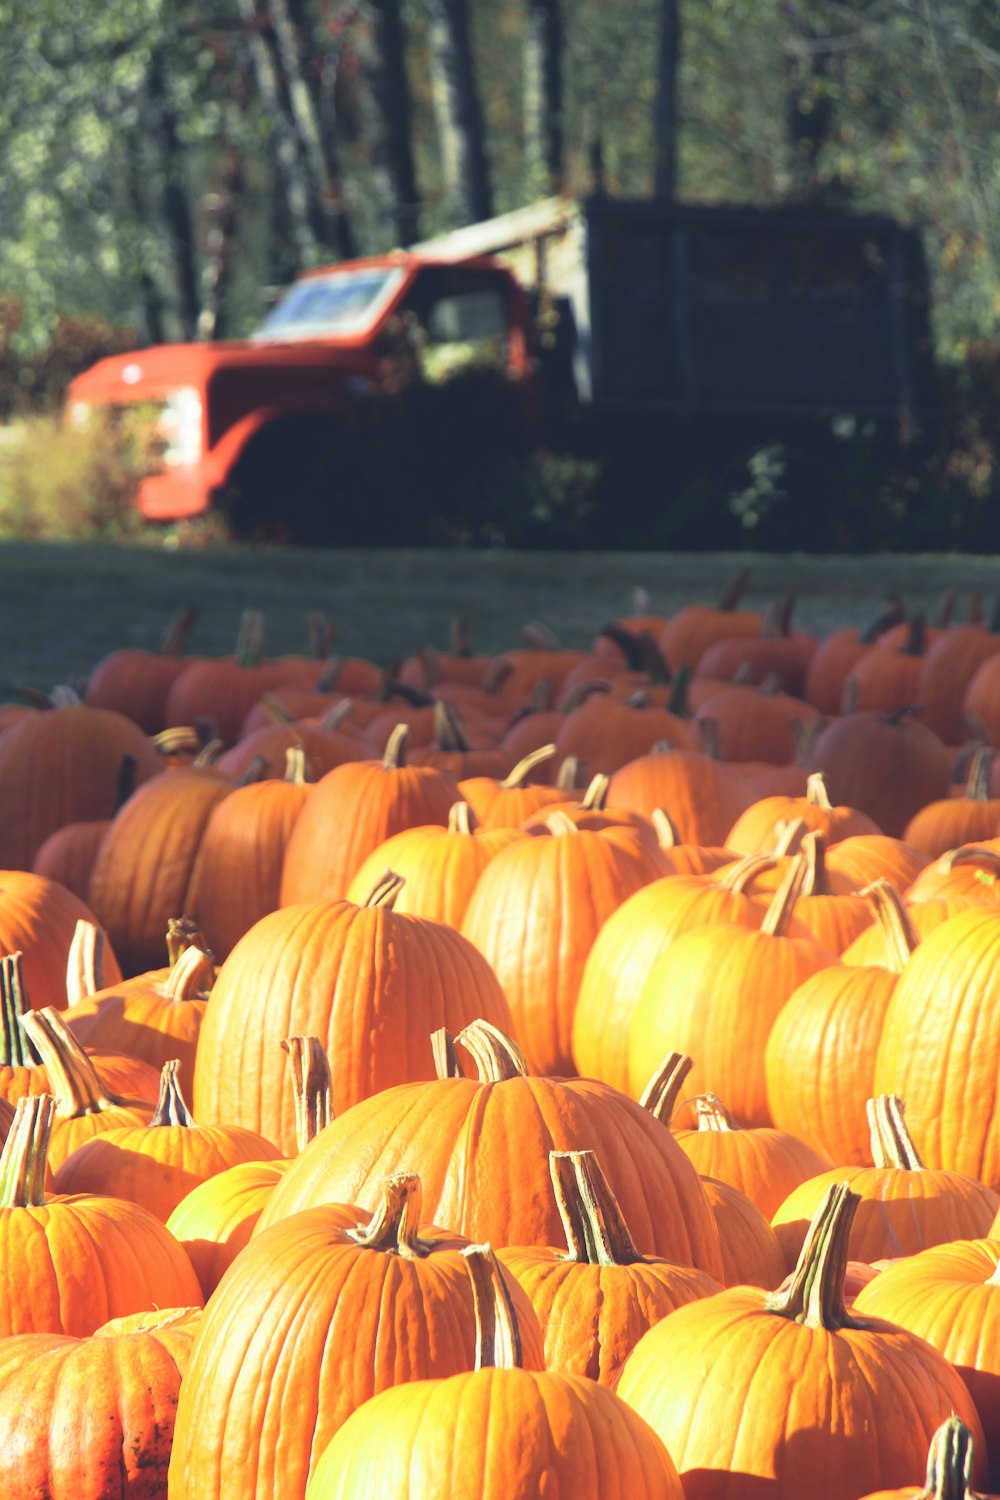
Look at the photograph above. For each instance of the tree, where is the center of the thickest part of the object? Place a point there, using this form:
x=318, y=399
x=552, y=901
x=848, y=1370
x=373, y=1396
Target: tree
x=543, y=98
x=458, y=113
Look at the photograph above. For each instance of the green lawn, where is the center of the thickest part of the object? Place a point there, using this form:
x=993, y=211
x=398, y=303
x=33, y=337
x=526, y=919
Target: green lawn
x=62, y=608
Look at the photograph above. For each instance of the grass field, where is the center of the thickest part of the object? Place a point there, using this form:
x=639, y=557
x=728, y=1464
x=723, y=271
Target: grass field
x=63, y=608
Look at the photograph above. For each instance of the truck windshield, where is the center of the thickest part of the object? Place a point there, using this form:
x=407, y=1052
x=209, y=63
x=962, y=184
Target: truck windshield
x=341, y=302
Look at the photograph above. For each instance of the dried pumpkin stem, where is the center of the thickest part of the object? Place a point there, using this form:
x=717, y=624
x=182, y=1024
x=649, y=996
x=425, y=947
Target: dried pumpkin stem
x=394, y=757
x=171, y=1108
x=498, y=1338
x=446, y=1061
x=386, y=890
x=16, y=1050
x=182, y=933
x=497, y=1057
x=191, y=977
x=783, y=901
x=667, y=835
x=75, y=1081
x=393, y=1226
x=891, y=1142
x=815, y=1294
x=524, y=767
x=461, y=818
x=85, y=962
x=712, y=1113
x=595, y=797
x=895, y=923
x=663, y=1090
x=816, y=792
x=309, y=1070
x=596, y=1231
x=949, y=1463
x=22, y=1162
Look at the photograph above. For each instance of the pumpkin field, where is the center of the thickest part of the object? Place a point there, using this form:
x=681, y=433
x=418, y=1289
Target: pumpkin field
x=480, y=1026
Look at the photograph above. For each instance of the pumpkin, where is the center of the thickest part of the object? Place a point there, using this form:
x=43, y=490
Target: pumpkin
x=216, y=1218
x=755, y=829
x=781, y=1394
x=536, y=910
x=903, y=1207
x=354, y=808
x=949, y=1468
x=90, y=1258
x=156, y=1164
x=93, y=1417
x=312, y=1319
x=702, y=797
x=471, y=1137
x=38, y=919
x=751, y=1255
x=885, y=765
x=597, y=1297
x=499, y=1432
x=950, y=1296
x=940, y=1042
x=371, y=983
x=506, y=803
x=764, y=1163
x=135, y=682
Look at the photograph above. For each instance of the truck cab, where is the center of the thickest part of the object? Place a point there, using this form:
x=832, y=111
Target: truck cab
x=268, y=426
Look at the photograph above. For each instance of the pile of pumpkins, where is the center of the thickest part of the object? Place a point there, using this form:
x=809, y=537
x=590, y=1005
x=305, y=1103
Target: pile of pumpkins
x=551, y=1073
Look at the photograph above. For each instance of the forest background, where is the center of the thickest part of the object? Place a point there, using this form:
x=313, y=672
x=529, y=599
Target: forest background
x=166, y=165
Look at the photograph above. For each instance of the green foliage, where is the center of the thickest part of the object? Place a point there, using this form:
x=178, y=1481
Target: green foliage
x=58, y=483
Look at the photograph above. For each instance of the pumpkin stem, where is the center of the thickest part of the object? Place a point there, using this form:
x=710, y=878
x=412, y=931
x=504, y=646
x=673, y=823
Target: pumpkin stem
x=595, y=797
x=191, y=977
x=745, y=871
x=16, y=1050
x=497, y=1057
x=666, y=829
x=449, y=730
x=496, y=675
x=977, y=785
x=898, y=932
x=816, y=792
x=661, y=1092
x=75, y=1081
x=275, y=710
x=949, y=1463
x=815, y=1293
x=182, y=933
x=171, y=1108
x=337, y=715
x=498, y=1338
x=446, y=1061
x=394, y=757
x=295, y=765
x=22, y=1161
x=813, y=849
x=568, y=774
x=712, y=1113
x=785, y=897
x=596, y=1231
x=386, y=890
x=85, y=962
x=711, y=739
x=393, y=1226
x=250, y=640
x=181, y=740
x=788, y=836
x=560, y=822
x=461, y=818
x=309, y=1070
x=177, y=630
x=891, y=1142
x=524, y=767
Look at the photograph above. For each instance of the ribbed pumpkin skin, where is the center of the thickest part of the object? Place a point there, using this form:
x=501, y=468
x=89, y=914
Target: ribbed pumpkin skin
x=91, y=1259
x=900, y=1213
x=753, y=1406
x=62, y=767
x=371, y=983
x=751, y=1255
x=68, y=855
x=38, y=918
x=216, y=1218
x=143, y=1022
x=626, y=948
x=592, y=1316
x=764, y=1163
x=482, y=1152
x=945, y=1295
x=440, y=868
x=940, y=1044
x=158, y=1165
x=90, y=1419
x=354, y=808
x=820, y=1058
x=143, y=868
x=535, y=914
x=304, y=1327
x=496, y=1435
x=715, y=995
x=702, y=797
x=236, y=878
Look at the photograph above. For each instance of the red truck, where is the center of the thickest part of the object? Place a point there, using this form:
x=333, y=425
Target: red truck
x=631, y=310
x=267, y=427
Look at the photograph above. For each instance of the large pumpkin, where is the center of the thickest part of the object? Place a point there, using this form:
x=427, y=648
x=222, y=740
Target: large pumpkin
x=371, y=983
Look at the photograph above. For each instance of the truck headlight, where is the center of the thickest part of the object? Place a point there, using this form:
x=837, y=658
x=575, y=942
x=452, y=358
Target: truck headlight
x=180, y=427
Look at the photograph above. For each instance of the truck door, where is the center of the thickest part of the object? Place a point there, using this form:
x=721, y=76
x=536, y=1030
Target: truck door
x=453, y=317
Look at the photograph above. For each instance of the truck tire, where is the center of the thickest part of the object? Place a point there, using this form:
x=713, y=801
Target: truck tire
x=297, y=482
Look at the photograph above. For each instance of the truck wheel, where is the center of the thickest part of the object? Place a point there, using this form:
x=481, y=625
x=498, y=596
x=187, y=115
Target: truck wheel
x=296, y=482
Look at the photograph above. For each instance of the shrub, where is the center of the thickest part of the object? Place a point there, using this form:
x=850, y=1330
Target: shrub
x=58, y=483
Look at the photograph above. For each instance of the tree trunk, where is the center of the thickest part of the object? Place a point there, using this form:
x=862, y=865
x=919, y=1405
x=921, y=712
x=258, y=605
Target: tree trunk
x=810, y=109
x=543, y=98
x=224, y=213
x=174, y=204
x=667, y=113
x=458, y=112
x=390, y=125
